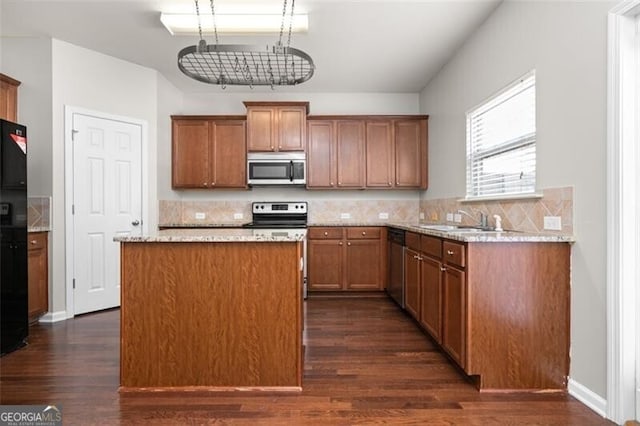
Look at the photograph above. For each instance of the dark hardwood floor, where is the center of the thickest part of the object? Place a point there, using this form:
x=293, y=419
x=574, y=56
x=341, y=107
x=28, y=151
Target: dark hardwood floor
x=366, y=362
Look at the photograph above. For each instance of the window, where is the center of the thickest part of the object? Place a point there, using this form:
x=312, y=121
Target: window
x=501, y=142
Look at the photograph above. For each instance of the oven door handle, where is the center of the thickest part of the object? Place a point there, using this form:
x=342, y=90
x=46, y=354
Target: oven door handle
x=291, y=170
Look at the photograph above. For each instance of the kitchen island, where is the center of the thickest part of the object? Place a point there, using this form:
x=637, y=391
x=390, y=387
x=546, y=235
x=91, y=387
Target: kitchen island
x=211, y=308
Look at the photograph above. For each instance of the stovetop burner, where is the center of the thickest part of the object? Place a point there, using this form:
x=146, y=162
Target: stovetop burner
x=278, y=215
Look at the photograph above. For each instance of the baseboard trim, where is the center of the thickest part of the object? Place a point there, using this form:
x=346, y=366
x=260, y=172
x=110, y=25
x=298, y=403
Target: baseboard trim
x=51, y=317
x=588, y=397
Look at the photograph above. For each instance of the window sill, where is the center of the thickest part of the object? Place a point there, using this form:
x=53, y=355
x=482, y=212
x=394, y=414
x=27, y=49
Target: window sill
x=530, y=196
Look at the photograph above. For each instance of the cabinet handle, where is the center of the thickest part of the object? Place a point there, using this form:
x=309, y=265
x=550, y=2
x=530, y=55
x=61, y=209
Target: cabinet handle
x=416, y=257
x=34, y=242
x=331, y=183
x=340, y=243
x=450, y=252
x=389, y=183
x=443, y=269
x=364, y=233
x=206, y=184
x=348, y=244
x=326, y=233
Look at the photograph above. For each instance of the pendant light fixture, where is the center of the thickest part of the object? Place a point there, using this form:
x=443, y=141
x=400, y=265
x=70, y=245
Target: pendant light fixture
x=246, y=65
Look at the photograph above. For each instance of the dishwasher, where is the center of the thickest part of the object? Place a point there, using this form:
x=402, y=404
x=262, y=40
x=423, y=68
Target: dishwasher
x=395, y=284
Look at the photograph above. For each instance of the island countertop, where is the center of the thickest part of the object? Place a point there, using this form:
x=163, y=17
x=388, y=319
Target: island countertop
x=214, y=235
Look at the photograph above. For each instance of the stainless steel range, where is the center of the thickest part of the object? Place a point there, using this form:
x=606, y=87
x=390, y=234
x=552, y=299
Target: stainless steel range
x=282, y=218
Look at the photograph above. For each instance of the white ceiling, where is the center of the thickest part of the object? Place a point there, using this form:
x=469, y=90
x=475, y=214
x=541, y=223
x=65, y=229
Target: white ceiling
x=357, y=46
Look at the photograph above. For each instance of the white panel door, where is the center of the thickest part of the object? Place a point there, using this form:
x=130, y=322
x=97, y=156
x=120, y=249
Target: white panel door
x=107, y=201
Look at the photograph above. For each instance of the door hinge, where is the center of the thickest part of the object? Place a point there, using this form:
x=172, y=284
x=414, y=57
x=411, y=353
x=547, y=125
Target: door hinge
x=73, y=209
x=73, y=134
x=74, y=283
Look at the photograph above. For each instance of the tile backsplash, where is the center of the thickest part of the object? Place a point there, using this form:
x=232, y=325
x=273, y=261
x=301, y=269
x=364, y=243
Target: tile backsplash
x=39, y=212
x=519, y=215
x=320, y=211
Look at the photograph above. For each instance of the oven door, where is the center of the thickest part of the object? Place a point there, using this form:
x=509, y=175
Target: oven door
x=271, y=170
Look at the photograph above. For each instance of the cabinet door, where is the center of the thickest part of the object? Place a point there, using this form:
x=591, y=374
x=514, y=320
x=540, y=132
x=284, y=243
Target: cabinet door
x=411, y=153
x=291, y=128
x=363, y=266
x=8, y=98
x=229, y=154
x=261, y=131
x=350, y=154
x=190, y=154
x=325, y=259
x=431, y=297
x=321, y=170
x=454, y=314
x=412, y=282
x=38, y=270
x=380, y=154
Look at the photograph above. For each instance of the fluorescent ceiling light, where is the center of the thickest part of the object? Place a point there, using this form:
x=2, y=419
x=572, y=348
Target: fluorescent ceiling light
x=187, y=24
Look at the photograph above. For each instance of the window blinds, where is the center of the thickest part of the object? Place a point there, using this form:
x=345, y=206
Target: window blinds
x=501, y=142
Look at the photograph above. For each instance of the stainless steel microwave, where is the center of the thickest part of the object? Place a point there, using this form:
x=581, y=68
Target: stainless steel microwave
x=276, y=168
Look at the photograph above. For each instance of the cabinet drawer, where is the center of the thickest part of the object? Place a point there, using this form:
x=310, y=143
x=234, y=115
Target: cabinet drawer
x=431, y=246
x=453, y=253
x=324, y=233
x=37, y=240
x=412, y=241
x=361, y=233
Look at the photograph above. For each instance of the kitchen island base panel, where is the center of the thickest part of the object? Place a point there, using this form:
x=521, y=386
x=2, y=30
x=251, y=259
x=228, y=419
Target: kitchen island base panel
x=211, y=314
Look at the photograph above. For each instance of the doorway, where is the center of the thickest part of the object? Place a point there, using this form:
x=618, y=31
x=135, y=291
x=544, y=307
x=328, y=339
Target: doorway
x=104, y=199
x=623, y=213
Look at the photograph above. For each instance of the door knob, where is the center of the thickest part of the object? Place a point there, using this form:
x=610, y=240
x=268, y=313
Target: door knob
x=135, y=222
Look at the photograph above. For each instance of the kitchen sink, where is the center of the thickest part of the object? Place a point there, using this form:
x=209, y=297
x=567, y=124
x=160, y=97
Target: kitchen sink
x=454, y=228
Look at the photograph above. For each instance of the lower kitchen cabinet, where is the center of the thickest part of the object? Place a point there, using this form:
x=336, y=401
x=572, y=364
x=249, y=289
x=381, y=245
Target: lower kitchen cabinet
x=412, y=274
x=346, y=258
x=38, y=286
x=500, y=310
x=454, y=314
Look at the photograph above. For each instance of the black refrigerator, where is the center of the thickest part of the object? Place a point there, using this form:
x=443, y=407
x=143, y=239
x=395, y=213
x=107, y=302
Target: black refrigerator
x=14, y=320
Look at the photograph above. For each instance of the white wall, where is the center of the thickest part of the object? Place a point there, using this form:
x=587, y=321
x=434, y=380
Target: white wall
x=90, y=80
x=566, y=42
x=227, y=102
x=33, y=70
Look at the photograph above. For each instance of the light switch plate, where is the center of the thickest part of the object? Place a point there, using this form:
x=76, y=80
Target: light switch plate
x=345, y=215
x=449, y=217
x=383, y=215
x=553, y=223
x=238, y=215
x=200, y=215
x=421, y=215
x=457, y=218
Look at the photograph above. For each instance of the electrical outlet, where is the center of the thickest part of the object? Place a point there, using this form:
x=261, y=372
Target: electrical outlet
x=449, y=217
x=434, y=217
x=553, y=223
x=421, y=215
x=383, y=215
x=238, y=215
x=200, y=215
x=345, y=215
x=457, y=218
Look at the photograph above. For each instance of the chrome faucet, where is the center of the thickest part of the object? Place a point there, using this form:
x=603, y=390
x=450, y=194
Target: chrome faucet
x=484, y=221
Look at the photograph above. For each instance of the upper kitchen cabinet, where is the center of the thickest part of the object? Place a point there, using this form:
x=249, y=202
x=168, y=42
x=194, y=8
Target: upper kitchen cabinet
x=209, y=152
x=410, y=142
x=397, y=153
x=8, y=98
x=336, y=154
x=276, y=126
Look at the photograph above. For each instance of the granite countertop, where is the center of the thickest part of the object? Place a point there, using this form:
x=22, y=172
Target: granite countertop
x=201, y=225
x=38, y=229
x=486, y=236
x=214, y=236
